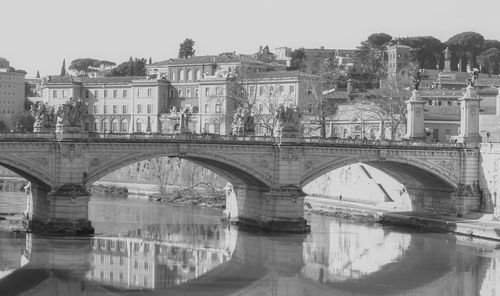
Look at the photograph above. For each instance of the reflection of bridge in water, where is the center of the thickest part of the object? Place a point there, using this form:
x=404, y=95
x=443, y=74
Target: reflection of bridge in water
x=239, y=263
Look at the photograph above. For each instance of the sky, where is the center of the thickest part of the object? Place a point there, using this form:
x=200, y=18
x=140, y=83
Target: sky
x=38, y=35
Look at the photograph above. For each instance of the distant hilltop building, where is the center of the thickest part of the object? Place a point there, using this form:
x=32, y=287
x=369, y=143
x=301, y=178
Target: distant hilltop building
x=11, y=95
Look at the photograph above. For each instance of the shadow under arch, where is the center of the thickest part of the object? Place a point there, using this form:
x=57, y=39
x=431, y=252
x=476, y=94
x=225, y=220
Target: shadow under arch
x=31, y=174
x=421, y=181
x=235, y=172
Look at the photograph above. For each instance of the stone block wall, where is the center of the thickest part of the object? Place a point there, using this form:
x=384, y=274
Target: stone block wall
x=489, y=165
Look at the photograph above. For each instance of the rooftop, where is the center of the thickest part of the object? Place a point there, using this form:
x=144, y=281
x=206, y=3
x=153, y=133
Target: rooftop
x=88, y=80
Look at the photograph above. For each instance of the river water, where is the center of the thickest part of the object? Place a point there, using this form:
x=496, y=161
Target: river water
x=145, y=248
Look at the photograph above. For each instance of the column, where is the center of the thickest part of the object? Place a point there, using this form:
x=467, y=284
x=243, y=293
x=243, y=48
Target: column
x=59, y=210
x=469, y=118
x=415, y=117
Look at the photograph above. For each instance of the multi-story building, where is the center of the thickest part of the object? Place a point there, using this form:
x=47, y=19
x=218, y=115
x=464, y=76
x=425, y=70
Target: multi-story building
x=398, y=59
x=11, y=95
x=220, y=96
x=116, y=104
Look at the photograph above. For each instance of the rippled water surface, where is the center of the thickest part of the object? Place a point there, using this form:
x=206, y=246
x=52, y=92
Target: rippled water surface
x=145, y=248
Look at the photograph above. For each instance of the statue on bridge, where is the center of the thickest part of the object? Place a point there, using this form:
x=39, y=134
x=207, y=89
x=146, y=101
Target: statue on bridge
x=473, y=76
x=287, y=122
x=70, y=115
x=44, y=115
x=243, y=122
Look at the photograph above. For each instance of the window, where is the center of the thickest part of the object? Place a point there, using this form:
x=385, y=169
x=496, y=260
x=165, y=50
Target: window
x=138, y=126
x=180, y=93
x=252, y=90
x=105, y=125
x=217, y=128
x=121, y=264
x=115, y=109
x=114, y=125
x=261, y=90
x=124, y=93
x=96, y=93
x=173, y=76
x=188, y=93
x=207, y=108
x=105, y=93
x=190, y=75
x=207, y=91
x=198, y=74
x=281, y=89
x=271, y=90
x=65, y=93
x=139, y=92
x=105, y=109
x=171, y=93
x=124, y=109
x=217, y=108
x=449, y=103
x=96, y=109
x=207, y=127
x=150, y=108
x=146, y=265
x=87, y=93
x=124, y=129
x=181, y=75
x=196, y=93
x=150, y=93
x=115, y=93
x=54, y=93
x=139, y=108
x=96, y=125
x=440, y=103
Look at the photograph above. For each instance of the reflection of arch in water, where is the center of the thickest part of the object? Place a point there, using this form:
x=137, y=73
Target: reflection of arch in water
x=356, y=251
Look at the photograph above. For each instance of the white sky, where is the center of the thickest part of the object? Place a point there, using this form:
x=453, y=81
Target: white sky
x=38, y=35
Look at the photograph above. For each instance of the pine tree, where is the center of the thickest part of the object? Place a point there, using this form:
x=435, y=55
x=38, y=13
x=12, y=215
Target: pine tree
x=63, y=69
x=37, y=74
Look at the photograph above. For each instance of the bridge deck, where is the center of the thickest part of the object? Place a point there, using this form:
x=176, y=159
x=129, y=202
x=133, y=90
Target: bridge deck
x=219, y=139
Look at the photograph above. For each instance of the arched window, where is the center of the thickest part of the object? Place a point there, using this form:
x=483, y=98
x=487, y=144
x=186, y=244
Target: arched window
x=138, y=125
x=105, y=125
x=179, y=93
x=96, y=125
x=188, y=93
x=114, y=125
x=124, y=126
x=181, y=75
x=190, y=75
x=198, y=74
x=196, y=92
x=173, y=76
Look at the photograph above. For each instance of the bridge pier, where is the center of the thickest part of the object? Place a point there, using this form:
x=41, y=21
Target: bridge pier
x=61, y=210
x=278, y=210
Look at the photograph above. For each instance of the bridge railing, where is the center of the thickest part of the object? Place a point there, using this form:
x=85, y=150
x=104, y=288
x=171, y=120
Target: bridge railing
x=229, y=138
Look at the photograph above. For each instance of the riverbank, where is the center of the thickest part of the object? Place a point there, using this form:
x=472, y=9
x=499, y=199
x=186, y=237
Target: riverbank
x=475, y=225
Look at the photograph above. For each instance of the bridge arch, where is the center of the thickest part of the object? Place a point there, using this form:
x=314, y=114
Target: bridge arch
x=235, y=171
x=406, y=171
x=28, y=170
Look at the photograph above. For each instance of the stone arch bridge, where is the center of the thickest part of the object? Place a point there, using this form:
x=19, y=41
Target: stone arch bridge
x=267, y=176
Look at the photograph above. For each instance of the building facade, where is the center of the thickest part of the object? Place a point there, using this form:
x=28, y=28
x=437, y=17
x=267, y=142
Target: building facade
x=11, y=95
x=116, y=104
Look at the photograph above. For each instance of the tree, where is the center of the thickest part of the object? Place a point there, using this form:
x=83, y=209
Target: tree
x=489, y=60
x=186, y=49
x=149, y=61
x=465, y=47
x=371, y=54
x=84, y=66
x=298, y=60
x=37, y=74
x=491, y=44
x=132, y=67
x=63, y=68
x=319, y=108
x=427, y=51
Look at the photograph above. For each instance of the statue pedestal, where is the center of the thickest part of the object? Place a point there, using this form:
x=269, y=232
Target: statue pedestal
x=415, y=117
x=469, y=118
x=42, y=129
x=70, y=132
